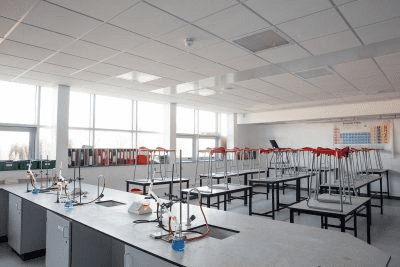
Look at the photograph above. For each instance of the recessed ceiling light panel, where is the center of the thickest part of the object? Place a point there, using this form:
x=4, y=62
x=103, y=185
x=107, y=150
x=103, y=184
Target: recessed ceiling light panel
x=139, y=77
x=203, y=92
x=163, y=91
x=308, y=74
x=185, y=87
x=261, y=41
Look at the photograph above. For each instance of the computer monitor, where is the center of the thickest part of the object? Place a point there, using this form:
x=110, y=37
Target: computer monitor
x=274, y=144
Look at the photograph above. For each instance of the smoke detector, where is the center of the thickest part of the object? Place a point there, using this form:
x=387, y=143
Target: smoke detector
x=189, y=42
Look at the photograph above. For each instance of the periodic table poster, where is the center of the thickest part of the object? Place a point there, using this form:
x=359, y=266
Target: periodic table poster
x=363, y=133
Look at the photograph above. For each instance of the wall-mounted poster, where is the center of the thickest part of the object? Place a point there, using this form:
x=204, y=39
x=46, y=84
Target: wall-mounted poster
x=363, y=133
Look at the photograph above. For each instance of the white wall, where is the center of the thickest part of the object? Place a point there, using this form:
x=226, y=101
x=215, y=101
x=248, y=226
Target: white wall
x=324, y=112
x=314, y=135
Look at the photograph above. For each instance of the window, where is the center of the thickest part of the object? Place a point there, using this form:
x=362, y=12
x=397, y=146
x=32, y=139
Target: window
x=17, y=103
x=17, y=143
x=186, y=145
x=48, y=106
x=79, y=110
x=205, y=128
x=113, y=139
x=110, y=122
x=152, y=117
x=79, y=138
x=205, y=143
x=47, y=142
x=113, y=113
x=224, y=124
x=207, y=122
x=151, y=140
x=184, y=120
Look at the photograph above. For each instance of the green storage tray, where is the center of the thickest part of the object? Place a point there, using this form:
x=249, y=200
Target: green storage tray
x=47, y=164
x=8, y=165
x=24, y=164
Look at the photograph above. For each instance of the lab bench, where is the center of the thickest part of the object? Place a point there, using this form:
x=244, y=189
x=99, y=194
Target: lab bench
x=109, y=232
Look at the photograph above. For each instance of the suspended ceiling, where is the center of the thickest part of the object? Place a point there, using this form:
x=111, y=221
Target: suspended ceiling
x=337, y=51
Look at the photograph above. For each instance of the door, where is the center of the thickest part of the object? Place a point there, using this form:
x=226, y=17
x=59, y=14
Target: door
x=136, y=258
x=14, y=222
x=57, y=241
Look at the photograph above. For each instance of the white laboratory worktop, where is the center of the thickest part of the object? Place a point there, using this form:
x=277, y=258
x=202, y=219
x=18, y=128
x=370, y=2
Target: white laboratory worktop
x=261, y=242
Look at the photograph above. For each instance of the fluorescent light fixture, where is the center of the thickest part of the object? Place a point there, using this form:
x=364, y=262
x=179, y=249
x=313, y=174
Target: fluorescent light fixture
x=185, y=87
x=203, y=92
x=139, y=77
x=163, y=91
x=207, y=82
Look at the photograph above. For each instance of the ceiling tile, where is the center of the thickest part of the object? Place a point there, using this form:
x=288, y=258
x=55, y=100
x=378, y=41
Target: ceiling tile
x=118, y=82
x=5, y=26
x=6, y=77
x=171, y=72
x=129, y=61
x=177, y=37
x=364, y=12
x=331, y=43
x=70, y=61
x=254, y=84
x=114, y=37
x=380, y=31
x=89, y=76
x=107, y=69
x=147, y=20
x=358, y=69
x=321, y=96
x=245, y=62
x=389, y=62
x=220, y=52
x=315, y=25
x=283, y=53
x=58, y=19
x=364, y=75
x=9, y=71
x=24, y=50
x=38, y=76
x=17, y=62
x=156, y=51
x=372, y=85
x=330, y=83
x=232, y=22
x=54, y=69
x=197, y=64
x=15, y=9
x=250, y=94
x=347, y=93
x=192, y=10
x=35, y=36
x=100, y=9
x=278, y=11
x=88, y=50
x=292, y=83
x=163, y=82
x=341, y=2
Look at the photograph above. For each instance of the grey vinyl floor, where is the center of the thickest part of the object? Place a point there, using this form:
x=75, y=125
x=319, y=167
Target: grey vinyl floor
x=385, y=229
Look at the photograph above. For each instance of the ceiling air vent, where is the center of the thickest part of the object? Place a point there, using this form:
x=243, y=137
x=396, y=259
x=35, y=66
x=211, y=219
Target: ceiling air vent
x=308, y=74
x=261, y=41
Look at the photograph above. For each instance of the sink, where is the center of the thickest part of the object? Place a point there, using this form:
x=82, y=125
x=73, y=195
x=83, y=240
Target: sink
x=110, y=203
x=216, y=231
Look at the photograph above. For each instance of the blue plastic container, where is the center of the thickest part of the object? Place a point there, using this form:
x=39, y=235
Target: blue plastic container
x=68, y=206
